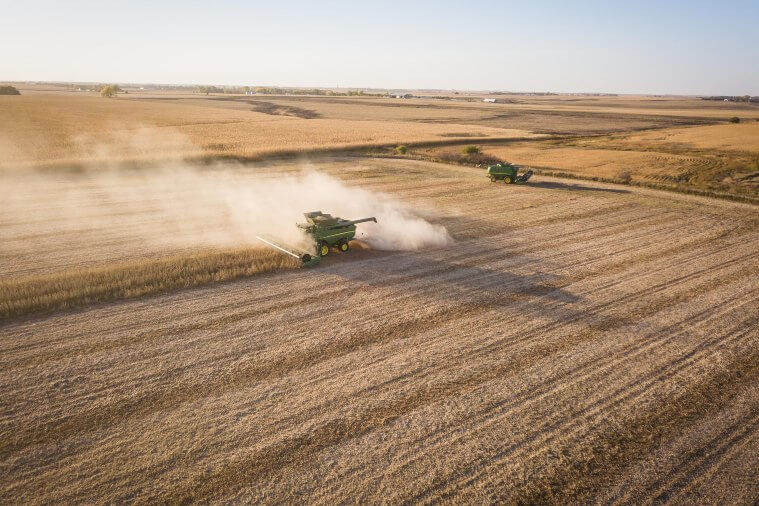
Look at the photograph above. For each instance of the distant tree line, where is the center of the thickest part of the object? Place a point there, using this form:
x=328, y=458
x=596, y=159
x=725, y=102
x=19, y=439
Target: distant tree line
x=264, y=90
x=733, y=98
x=540, y=93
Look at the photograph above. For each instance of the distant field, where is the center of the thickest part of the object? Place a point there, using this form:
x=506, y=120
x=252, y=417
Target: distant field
x=557, y=115
x=720, y=159
x=677, y=143
x=741, y=138
x=603, y=163
x=69, y=129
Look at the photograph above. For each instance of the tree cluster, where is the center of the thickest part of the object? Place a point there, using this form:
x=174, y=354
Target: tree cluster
x=9, y=90
x=109, y=90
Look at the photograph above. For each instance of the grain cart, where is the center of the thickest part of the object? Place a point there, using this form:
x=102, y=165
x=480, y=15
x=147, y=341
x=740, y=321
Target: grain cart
x=508, y=173
x=326, y=230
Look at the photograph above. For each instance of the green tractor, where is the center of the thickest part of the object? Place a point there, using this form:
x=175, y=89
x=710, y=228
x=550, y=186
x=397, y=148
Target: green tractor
x=508, y=173
x=330, y=231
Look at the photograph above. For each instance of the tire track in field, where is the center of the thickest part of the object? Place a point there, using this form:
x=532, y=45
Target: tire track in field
x=477, y=421
x=577, y=481
x=501, y=301
x=476, y=259
x=335, y=431
x=130, y=407
x=577, y=421
x=700, y=460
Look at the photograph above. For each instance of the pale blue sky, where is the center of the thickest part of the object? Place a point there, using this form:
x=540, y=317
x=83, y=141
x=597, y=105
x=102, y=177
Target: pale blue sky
x=676, y=47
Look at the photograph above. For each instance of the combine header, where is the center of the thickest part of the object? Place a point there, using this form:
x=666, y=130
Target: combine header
x=507, y=172
x=327, y=231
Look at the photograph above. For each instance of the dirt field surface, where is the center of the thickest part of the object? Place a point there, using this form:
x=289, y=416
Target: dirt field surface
x=578, y=342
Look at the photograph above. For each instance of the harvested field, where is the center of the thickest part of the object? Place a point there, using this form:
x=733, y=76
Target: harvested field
x=579, y=342
x=585, y=137
x=497, y=115
x=72, y=130
x=606, y=163
x=717, y=159
x=742, y=137
x=683, y=107
x=61, y=129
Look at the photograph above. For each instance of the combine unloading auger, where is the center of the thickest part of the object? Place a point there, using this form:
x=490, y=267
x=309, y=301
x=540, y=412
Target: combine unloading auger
x=307, y=259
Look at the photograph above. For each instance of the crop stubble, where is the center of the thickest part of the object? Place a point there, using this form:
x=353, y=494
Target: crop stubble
x=576, y=343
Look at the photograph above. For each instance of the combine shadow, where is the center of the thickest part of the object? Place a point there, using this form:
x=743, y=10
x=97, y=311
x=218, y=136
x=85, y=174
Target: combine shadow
x=552, y=185
x=468, y=227
x=426, y=275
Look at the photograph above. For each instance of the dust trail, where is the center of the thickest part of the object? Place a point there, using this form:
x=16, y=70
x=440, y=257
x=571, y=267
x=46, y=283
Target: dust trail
x=273, y=206
x=185, y=206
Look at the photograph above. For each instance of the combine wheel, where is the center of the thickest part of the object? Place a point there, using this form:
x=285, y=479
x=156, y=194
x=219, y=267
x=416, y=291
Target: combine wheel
x=493, y=179
x=507, y=179
x=323, y=249
x=343, y=246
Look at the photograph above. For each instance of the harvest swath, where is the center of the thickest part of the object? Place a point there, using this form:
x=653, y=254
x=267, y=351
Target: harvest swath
x=579, y=342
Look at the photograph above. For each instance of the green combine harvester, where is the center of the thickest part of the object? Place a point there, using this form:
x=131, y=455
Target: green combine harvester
x=508, y=173
x=327, y=232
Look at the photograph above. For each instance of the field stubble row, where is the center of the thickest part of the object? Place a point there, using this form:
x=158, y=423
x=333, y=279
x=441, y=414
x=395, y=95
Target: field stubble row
x=558, y=344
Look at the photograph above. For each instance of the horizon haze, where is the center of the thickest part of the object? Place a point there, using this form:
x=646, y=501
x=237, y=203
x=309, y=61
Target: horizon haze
x=681, y=48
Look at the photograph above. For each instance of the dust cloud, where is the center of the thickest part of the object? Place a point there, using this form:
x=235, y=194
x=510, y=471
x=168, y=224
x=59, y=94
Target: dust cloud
x=273, y=206
x=227, y=205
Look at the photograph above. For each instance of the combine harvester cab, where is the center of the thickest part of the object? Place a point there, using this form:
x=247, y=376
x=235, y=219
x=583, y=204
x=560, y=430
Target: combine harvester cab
x=326, y=230
x=508, y=173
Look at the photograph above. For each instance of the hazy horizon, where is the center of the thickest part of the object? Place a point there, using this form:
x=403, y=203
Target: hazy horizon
x=681, y=48
x=365, y=88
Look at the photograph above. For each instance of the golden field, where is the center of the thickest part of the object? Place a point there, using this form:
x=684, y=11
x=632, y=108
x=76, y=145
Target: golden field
x=603, y=163
x=67, y=129
x=21, y=295
x=563, y=341
x=741, y=138
x=235, y=278
x=674, y=143
x=577, y=343
x=625, y=139
x=636, y=140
